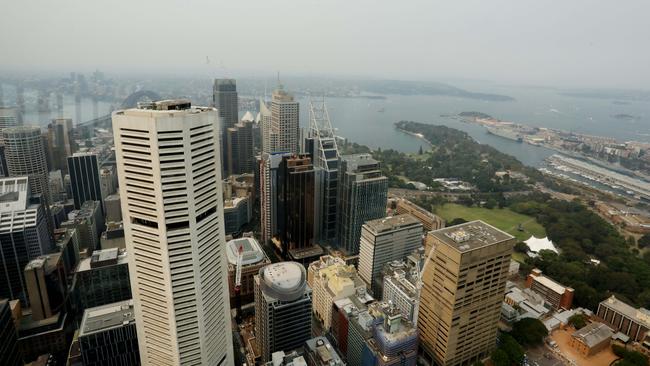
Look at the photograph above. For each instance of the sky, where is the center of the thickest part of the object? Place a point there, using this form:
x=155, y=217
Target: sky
x=576, y=43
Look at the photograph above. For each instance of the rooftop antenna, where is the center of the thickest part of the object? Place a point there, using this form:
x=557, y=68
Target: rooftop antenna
x=279, y=84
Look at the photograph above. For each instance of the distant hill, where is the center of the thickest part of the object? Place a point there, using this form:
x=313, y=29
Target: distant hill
x=400, y=87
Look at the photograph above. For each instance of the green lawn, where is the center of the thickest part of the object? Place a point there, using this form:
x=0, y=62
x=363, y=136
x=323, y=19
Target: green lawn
x=502, y=218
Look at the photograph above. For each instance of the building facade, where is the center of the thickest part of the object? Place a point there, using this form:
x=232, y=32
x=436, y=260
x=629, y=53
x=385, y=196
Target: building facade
x=429, y=220
x=384, y=241
x=60, y=143
x=464, y=281
x=84, y=179
x=363, y=191
x=103, y=278
x=168, y=165
x=280, y=124
x=108, y=335
x=9, y=352
x=624, y=318
x=283, y=303
x=239, y=139
x=557, y=295
x=224, y=99
x=23, y=236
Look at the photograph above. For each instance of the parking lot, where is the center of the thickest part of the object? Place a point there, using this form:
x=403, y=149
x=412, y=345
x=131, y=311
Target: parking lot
x=542, y=356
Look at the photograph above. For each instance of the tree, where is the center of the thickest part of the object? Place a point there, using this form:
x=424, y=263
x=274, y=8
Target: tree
x=491, y=203
x=513, y=349
x=420, y=152
x=644, y=241
x=500, y=358
x=578, y=320
x=529, y=332
x=456, y=221
x=521, y=247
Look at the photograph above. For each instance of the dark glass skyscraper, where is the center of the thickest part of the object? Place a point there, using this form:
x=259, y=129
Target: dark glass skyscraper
x=84, y=178
x=224, y=98
x=9, y=352
x=239, y=157
x=363, y=191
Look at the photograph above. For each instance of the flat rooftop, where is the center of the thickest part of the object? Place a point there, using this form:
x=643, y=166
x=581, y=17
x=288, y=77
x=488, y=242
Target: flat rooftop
x=251, y=251
x=471, y=235
x=392, y=223
x=550, y=284
x=101, y=318
x=103, y=258
x=640, y=315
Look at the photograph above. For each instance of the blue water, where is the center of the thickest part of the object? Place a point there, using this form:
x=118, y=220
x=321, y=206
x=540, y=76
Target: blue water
x=360, y=120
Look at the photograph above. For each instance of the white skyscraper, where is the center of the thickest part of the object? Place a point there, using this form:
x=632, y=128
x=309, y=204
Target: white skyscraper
x=168, y=164
x=280, y=126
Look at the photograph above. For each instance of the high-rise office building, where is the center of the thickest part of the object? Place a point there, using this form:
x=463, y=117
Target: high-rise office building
x=25, y=156
x=103, y=278
x=108, y=336
x=9, y=117
x=23, y=236
x=239, y=156
x=269, y=167
x=402, y=284
x=108, y=181
x=45, y=278
x=84, y=178
x=224, y=99
x=384, y=241
x=89, y=223
x=282, y=308
x=363, y=192
x=9, y=352
x=60, y=143
x=168, y=165
x=280, y=130
x=294, y=237
x=321, y=144
x=464, y=282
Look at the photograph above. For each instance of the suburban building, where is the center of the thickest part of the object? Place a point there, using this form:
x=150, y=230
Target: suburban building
x=558, y=296
x=591, y=338
x=624, y=318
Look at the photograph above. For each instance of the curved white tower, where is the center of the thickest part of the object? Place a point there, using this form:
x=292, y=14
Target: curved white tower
x=168, y=164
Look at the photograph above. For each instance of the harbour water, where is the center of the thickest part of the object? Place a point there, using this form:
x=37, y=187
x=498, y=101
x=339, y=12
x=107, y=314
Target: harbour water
x=370, y=121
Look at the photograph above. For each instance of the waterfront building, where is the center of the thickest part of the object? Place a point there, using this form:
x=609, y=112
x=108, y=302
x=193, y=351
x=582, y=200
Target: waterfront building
x=108, y=336
x=168, y=165
x=23, y=236
x=464, y=281
x=556, y=295
x=383, y=241
x=283, y=303
x=84, y=179
x=362, y=194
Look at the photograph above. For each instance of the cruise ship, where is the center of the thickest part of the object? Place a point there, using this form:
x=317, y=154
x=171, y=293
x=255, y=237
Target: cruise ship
x=505, y=133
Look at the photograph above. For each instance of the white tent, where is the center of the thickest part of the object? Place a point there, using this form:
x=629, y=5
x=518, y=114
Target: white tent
x=536, y=244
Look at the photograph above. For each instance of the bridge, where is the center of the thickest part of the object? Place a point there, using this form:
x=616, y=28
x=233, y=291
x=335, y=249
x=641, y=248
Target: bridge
x=130, y=102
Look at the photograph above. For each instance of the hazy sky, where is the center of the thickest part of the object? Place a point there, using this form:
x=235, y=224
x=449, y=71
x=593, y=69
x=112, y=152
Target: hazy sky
x=545, y=42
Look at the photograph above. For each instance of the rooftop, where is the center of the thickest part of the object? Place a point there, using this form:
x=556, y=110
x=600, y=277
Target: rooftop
x=13, y=194
x=105, y=317
x=251, y=251
x=471, y=235
x=593, y=334
x=323, y=351
x=641, y=315
x=550, y=284
x=47, y=262
x=392, y=223
x=103, y=258
x=285, y=281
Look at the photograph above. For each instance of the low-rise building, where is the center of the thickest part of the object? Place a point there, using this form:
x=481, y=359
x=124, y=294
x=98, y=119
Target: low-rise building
x=624, y=318
x=429, y=220
x=591, y=338
x=557, y=295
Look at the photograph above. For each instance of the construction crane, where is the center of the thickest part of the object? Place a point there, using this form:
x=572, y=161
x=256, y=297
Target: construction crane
x=240, y=257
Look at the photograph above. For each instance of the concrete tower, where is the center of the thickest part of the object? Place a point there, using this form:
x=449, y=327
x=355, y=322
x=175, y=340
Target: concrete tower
x=464, y=281
x=168, y=165
x=280, y=131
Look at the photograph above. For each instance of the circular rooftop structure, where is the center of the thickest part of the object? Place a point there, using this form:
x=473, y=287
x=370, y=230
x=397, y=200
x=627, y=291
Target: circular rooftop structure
x=251, y=251
x=285, y=281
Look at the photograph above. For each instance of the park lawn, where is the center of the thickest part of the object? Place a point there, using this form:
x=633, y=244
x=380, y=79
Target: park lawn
x=501, y=218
